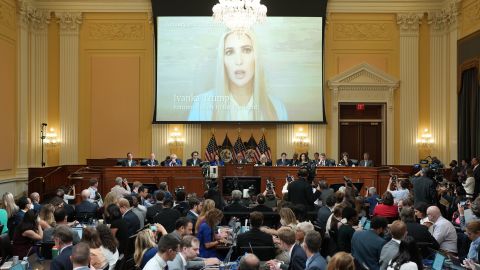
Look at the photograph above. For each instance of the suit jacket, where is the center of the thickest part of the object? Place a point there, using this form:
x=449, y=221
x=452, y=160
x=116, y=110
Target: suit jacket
x=132, y=221
x=235, y=207
x=424, y=190
x=167, y=217
x=325, y=163
x=62, y=261
x=363, y=162
x=152, y=211
x=262, y=208
x=241, y=161
x=268, y=163
x=300, y=192
x=342, y=162
x=285, y=162
x=149, y=162
x=125, y=163
x=322, y=216
x=254, y=237
x=182, y=207
x=389, y=250
x=177, y=162
x=316, y=262
x=177, y=263
x=366, y=248
x=190, y=162
x=191, y=216
x=86, y=207
x=298, y=259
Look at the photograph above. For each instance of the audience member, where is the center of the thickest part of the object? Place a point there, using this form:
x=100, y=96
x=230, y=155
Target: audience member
x=367, y=245
x=139, y=210
x=325, y=191
x=287, y=219
x=298, y=258
x=8, y=203
x=236, y=204
x=424, y=187
x=346, y=230
x=63, y=237
x=46, y=218
x=183, y=227
x=95, y=196
x=189, y=250
x=168, y=216
x=109, y=245
x=301, y=230
x=208, y=205
x=399, y=189
x=60, y=216
x=475, y=206
x=469, y=183
x=129, y=216
x=371, y=198
x=398, y=230
x=24, y=204
x=209, y=240
x=153, y=210
x=35, y=198
x=255, y=237
x=195, y=210
x=167, y=251
x=86, y=210
x=261, y=207
x=80, y=257
x=418, y=231
x=143, y=194
x=473, y=233
x=60, y=200
x=300, y=192
x=97, y=257
x=118, y=226
x=181, y=204
x=249, y=262
x=26, y=233
x=121, y=187
x=407, y=257
x=386, y=209
x=145, y=247
x=476, y=175
x=325, y=211
x=341, y=261
x=443, y=230
x=311, y=246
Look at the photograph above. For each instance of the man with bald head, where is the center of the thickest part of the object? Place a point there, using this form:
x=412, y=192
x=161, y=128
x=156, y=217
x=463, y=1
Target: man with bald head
x=249, y=262
x=443, y=230
x=86, y=209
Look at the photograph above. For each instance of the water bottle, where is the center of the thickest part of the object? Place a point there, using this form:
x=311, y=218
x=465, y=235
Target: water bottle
x=24, y=263
x=54, y=252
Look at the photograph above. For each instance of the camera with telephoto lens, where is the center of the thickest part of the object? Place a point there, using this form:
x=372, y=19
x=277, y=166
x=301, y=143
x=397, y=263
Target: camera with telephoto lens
x=270, y=185
x=348, y=181
x=290, y=178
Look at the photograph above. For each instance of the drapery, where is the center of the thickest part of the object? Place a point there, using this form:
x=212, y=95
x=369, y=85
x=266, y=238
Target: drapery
x=469, y=115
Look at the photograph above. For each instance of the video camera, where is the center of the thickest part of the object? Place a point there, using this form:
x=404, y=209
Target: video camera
x=270, y=185
x=179, y=188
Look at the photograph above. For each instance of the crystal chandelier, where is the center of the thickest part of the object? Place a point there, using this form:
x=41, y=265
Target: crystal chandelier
x=239, y=14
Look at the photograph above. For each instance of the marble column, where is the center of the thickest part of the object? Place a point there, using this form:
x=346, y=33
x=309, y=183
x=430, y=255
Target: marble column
x=23, y=77
x=69, y=62
x=193, y=140
x=39, y=20
x=409, y=62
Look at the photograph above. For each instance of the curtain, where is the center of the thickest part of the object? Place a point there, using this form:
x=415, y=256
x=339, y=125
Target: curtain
x=469, y=115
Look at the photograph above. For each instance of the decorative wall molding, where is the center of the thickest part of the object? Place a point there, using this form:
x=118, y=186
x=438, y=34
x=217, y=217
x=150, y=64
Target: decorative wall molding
x=69, y=21
x=7, y=15
x=364, y=83
x=409, y=21
x=440, y=19
x=362, y=31
x=116, y=31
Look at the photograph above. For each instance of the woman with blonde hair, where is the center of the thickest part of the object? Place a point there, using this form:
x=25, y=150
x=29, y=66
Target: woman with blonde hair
x=110, y=198
x=145, y=247
x=47, y=220
x=240, y=91
x=208, y=205
x=8, y=203
x=287, y=219
x=341, y=261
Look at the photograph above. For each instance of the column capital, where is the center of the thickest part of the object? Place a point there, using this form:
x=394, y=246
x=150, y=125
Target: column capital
x=409, y=22
x=441, y=19
x=69, y=21
x=39, y=18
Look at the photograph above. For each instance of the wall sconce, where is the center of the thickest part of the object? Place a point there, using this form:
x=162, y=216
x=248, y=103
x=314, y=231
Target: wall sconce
x=51, y=138
x=301, y=138
x=176, y=138
x=425, y=138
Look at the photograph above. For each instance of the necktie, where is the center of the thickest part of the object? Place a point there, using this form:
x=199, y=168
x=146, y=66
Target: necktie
x=166, y=267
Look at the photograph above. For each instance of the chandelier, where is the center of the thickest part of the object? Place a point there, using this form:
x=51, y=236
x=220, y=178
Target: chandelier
x=239, y=14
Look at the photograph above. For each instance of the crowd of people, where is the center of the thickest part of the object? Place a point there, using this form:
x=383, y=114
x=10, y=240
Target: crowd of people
x=311, y=227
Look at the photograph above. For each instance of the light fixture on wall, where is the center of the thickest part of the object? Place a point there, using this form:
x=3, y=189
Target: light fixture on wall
x=301, y=138
x=51, y=137
x=175, y=137
x=425, y=139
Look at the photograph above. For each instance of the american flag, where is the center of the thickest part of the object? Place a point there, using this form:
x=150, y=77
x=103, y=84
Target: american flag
x=212, y=149
x=239, y=148
x=252, y=144
x=263, y=148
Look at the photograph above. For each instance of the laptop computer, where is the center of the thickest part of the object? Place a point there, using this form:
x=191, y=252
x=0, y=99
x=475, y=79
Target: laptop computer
x=79, y=231
x=438, y=261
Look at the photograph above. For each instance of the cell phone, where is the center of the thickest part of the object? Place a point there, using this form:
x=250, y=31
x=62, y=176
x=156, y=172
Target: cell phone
x=153, y=228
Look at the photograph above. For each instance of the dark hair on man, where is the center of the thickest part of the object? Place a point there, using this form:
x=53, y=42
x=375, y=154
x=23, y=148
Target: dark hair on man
x=129, y=153
x=194, y=153
x=256, y=219
x=168, y=203
x=261, y=199
x=93, y=181
x=59, y=214
x=182, y=222
x=180, y=195
x=163, y=186
x=322, y=184
x=422, y=207
x=283, y=153
x=114, y=212
x=81, y=254
x=349, y=213
x=331, y=200
x=453, y=163
x=407, y=214
x=142, y=188
x=129, y=198
x=187, y=241
x=387, y=198
x=159, y=195
x=63, y=233
x=60, y=193
x=22, y=202
x=379, y=222
x=192, y=202
x=168, y=242
x=303, y=172
x=313, y=241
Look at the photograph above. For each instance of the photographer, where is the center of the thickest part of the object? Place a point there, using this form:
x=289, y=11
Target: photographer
x=269, y=196
x=475, y=206
x=399, y=188
x=424, y=188
x=300, y=192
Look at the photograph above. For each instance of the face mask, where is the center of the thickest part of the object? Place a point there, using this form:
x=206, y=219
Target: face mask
x=31, y=206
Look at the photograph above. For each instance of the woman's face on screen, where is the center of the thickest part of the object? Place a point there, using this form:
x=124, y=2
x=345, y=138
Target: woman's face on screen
x=239, y=59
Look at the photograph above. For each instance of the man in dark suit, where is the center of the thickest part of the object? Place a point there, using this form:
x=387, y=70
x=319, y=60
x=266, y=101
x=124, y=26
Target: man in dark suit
x=283, y=161
x=129, y=162
x=195, y=208
x=324, y=161
x=236, y=205
x=326, y=211
x=63, y=237
x=476, y=175
x=129, y=216
x=151, y=162
x=311, y=245
x=418, y=231
x=168, y=216
x=424, y=187
x=86, y=209
x=367, y=245
x=153, y=210
x=35, y=199
x=300, y=192
x=261, y=207
x=195, y=160
x=255, y=237
x=366, y=161
x=181, y=205
x=240, y=159
x=264, y=161
x=298, y=258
